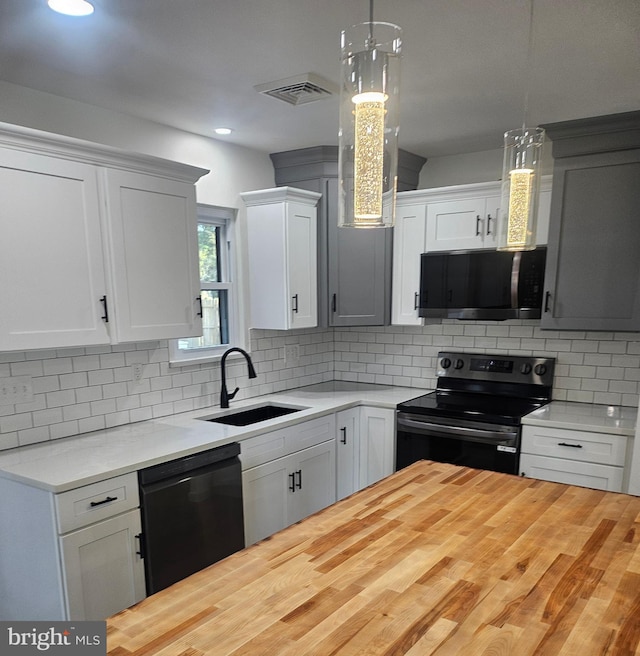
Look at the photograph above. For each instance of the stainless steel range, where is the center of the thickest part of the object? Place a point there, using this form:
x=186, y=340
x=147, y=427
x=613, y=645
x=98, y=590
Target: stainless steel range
x=474, y=416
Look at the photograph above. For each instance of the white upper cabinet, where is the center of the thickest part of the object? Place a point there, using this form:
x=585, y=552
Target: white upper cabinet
x=52, y=275
x=409, y=234
x=153, y=256
x=282, y=248
x=463, y=223
x=96, y=246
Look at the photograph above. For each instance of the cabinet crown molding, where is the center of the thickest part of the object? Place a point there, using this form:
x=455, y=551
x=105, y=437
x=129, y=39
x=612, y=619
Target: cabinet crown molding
x=87, y=152
x=280, y=195
x=472, y=190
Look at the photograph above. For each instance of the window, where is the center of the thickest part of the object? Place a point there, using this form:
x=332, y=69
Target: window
x=217, y=290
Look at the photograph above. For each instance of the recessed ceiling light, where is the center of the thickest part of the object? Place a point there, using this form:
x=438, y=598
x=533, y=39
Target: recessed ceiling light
x=223, y=130
x=71, y=7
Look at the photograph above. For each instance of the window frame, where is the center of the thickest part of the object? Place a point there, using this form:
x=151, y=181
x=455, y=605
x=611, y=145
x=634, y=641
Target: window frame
x=224, y=218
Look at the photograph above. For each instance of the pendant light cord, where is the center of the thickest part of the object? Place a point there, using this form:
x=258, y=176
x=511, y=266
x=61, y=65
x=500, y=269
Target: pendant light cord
x=529, y=67
x=371, y=41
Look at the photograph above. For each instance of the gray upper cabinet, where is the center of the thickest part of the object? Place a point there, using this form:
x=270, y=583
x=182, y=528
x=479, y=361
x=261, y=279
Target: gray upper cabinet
x=593, y=268
x=354, y=266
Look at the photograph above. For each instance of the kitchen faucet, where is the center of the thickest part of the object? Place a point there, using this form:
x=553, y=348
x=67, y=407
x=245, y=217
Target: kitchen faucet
x=225, y=396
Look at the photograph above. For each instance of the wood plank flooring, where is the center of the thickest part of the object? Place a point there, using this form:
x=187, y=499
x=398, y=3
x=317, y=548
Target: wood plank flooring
x=435, y=559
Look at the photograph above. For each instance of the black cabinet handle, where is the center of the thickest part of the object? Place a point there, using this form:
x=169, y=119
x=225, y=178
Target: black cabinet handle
x=547, y=297
x=478, y=225
x=105, y=316
x=299, y=475
x=415, y=300
x=292, y=484
x=294, y=303
x=93, y=504
x=140, y=538
x=573, y=446
x=333, y=303
x=489, y=219
x=343, y=439
x=199, y=299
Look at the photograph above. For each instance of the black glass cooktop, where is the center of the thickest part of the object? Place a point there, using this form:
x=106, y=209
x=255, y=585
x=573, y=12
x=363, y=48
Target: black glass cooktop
x=479, y=407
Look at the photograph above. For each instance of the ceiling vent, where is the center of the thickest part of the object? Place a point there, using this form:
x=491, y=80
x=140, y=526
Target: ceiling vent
x=299, y=89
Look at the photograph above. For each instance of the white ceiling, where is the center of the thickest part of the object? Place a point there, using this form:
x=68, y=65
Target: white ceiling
x=192, y=64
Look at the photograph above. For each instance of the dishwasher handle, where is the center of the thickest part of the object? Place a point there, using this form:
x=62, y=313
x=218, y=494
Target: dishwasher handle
x=188, y=464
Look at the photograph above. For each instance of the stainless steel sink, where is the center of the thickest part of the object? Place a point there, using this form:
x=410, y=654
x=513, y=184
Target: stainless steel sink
x=252, y=415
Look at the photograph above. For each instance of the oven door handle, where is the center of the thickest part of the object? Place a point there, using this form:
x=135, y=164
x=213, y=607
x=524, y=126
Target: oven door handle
x=470, y=434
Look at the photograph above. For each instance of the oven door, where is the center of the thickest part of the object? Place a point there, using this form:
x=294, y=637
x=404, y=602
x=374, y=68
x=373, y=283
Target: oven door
x=460, y=442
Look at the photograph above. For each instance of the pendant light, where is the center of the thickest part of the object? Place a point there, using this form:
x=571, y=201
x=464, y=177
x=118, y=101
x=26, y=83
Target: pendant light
x=521, y=176
x=71, y=7
x=368, y=133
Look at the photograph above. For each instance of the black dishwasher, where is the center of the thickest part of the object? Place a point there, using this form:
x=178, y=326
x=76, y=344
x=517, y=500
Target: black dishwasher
x=191, y=514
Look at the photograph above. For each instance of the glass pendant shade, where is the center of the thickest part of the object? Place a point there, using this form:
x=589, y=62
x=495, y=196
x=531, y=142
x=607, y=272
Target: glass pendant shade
x=520, y=187
x=368, y=134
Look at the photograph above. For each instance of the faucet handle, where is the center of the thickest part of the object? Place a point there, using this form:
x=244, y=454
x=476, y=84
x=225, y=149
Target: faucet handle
x=230, y=395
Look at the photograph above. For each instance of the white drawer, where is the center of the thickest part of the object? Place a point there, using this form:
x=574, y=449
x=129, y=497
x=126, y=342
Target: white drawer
x=93, y=503
x=601, y=448
x=310, y=433
x=257, y=450
x=584, y=474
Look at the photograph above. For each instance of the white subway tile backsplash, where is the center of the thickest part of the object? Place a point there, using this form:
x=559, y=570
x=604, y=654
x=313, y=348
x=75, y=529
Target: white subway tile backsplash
x=8, y=440
x=89, y=389
x=63, y=397
x=57, y=366
x=33, y=435
x=86, y=362
x=47, y=417
x=71, y=381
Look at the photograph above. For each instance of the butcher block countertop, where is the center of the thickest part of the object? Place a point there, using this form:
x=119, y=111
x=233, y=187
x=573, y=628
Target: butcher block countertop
x=435, y=559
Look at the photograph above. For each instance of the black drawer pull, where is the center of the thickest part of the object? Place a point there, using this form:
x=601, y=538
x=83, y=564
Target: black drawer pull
x=294, y=303
x=343, y=439
x=299, y=475
x=292, y=485
x=478, y=225
x=415, y=300
x=199, y=299
x=547, y=297
x=93, y=504
x=573, y=446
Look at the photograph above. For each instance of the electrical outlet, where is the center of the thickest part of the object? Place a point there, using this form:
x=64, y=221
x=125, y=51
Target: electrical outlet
x=137, y=369
x=291, y=354
x=16, y=389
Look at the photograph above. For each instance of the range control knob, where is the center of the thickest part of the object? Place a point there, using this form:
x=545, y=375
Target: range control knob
x=540, y=369
x=525, y=368
x=458, y=364
x=445, y=363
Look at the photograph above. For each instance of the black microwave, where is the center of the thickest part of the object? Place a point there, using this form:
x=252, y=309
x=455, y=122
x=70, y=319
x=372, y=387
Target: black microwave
x=482, y=284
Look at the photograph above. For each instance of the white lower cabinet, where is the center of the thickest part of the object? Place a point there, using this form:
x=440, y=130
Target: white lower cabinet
x=576, y=457
x=102, y=571
x=347, y=452
x=70, y=556
x=365, y=447
x=287, y=475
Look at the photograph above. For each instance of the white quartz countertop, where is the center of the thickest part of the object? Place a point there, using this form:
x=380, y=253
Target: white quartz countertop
x=617, y=420
x=69, y=463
